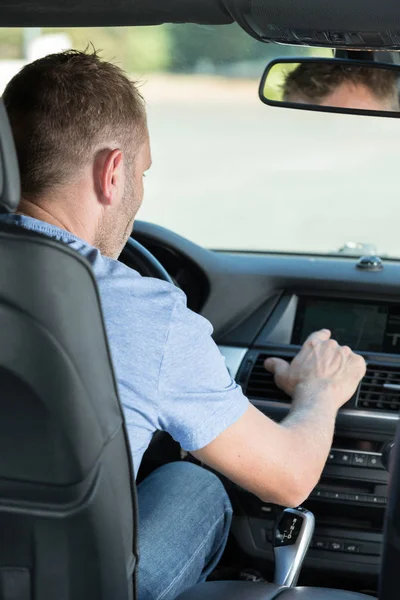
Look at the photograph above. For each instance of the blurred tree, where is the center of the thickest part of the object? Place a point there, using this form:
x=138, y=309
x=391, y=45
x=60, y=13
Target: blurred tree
x=225, y=43
x=147, y=49
x=11, y=43
x=135, y=49
x=192, y=45
x=179, y=48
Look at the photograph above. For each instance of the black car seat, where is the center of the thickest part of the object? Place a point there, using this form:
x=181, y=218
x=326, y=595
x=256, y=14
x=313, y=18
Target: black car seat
x=67, y=496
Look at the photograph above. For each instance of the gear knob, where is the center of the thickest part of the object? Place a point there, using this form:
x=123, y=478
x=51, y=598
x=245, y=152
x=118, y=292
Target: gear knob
x=293, y=535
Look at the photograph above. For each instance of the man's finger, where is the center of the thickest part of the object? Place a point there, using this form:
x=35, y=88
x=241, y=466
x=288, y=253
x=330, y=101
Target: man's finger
x=276, y=366
x=322, y=335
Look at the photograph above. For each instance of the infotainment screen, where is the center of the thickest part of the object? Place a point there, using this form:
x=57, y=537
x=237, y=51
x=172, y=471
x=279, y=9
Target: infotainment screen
x=368, y=326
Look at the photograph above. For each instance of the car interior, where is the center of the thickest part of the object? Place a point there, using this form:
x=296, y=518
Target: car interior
x=68, y=515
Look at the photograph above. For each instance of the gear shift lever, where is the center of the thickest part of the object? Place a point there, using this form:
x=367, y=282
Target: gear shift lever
x=293, y=534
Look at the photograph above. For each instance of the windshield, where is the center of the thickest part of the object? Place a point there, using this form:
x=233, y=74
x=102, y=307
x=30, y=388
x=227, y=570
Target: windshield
x=228, y=171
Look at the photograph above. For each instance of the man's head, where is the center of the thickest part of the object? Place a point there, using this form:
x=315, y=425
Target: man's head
x=80, y=130
x=342, y=86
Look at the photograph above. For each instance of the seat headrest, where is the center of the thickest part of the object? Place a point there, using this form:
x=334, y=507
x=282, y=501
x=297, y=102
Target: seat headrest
x=10, y=185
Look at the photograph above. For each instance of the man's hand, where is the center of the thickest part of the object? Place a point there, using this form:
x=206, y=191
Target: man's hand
x=282, y=462
x=322, y=367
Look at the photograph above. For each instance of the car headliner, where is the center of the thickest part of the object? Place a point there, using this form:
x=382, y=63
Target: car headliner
x=100, y=13
x=334, y=15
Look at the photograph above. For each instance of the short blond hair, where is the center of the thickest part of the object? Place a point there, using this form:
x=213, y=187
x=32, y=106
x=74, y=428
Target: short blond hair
x=62, y=107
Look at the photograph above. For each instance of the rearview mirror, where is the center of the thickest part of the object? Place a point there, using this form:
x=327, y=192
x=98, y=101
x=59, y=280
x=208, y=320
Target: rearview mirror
x=333, y=85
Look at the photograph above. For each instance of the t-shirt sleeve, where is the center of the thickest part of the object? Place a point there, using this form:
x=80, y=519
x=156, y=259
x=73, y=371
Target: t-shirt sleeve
x=197, y=398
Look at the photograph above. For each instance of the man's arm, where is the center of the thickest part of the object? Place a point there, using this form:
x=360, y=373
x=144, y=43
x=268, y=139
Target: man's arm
x=282, y=463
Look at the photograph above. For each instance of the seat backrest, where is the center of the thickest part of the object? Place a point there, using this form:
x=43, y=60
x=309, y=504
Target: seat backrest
x=66, y=485
x=10, y=186
x=67, y=493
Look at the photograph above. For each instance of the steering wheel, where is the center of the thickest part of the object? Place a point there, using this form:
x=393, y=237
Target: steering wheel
x=136, y=255
x=144, y=261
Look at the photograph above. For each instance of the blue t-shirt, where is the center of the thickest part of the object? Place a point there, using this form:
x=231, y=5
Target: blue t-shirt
x=171, y=375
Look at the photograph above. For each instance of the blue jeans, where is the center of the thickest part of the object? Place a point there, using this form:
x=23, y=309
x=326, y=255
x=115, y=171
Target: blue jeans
x=184, y=520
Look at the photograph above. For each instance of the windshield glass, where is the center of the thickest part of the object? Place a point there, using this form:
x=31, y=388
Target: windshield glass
x=228, y=171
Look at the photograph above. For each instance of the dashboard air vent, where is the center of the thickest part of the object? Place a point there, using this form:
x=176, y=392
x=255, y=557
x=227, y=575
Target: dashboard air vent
x=261, y=384
x=380, y=388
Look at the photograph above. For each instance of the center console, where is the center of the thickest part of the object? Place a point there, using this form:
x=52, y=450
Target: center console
x=349, y=501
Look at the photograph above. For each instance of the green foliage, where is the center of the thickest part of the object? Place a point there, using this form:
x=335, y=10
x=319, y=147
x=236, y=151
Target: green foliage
x=164, y=48
x=135, y=49
x=222, y=44
x=10, y=43
x=147, y=49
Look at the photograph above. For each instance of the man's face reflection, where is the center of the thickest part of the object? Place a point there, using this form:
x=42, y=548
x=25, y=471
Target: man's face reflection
x=336, y=85
x=350, y=95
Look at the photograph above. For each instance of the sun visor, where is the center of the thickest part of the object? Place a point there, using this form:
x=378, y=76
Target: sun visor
x=352, y=24
x=103, y=13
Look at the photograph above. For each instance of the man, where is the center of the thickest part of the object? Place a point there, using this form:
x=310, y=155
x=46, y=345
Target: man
x=83, y=147
x=343, y=86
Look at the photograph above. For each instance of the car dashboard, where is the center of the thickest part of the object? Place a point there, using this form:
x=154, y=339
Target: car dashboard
x=265, y=305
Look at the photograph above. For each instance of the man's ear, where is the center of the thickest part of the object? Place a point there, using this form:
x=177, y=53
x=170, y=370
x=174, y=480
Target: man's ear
x=110, y=176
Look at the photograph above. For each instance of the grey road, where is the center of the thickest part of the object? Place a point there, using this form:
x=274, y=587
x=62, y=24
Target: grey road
x=229, y=172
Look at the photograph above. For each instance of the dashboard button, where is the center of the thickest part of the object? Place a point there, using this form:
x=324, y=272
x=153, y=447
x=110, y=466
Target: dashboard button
x=324, y=494
x=338, y=496
x=330, y=495
x=352, y=548
x=374, y=462
x=335, y=546
x=342, y=496
x=375, y=499
x=333, y=457
x=320, y=544
x=344, y=458
x=360, y=460
x=357, y=497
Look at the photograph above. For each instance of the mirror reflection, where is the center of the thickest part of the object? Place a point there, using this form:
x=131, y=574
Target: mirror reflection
x=335, y=84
